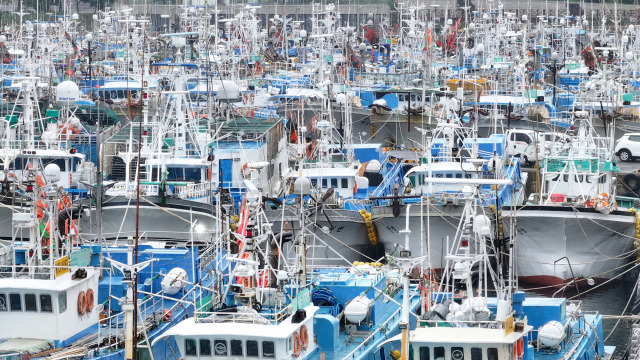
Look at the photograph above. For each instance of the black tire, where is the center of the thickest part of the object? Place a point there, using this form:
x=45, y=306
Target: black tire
x=632, y=181
x=625, y=155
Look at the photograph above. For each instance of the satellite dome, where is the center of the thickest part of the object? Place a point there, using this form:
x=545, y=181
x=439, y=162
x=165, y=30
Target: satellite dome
x=228, y=91
x=52, y=173
x=67, y=93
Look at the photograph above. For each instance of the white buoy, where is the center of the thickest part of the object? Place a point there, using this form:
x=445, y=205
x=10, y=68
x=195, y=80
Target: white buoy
x=358, y=309
x=174, y=281
x=551, y=334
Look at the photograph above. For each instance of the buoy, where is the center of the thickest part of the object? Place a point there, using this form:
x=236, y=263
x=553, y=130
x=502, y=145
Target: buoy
x=89, y=300
x=82, y=307
x=304, y=337
x=296, y=344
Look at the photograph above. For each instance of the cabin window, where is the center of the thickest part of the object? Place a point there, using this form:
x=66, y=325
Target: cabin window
x=334, y=183
x=205, y=347
x=45, y=303
x=603, y=179
x=190, y=347
x=457, y=353
x=220, y=347
x=345, y=183
x=174, y=174
x=16, y=302
x=449, y=176
x=438, y=353
x=476, y=353
x=290, y=345
x=62, y=302
x=192, y=174
x=439, y=175
x=314, y=182
x=324, y=183
x=3, y=302
x=30, y=303
x=252, y=348
x=424, y=353
x=401, y=97
x=492, y=354
x=236, y=347
x=565, y=178
x=268, y=349
x=523, y=138
x=579, y=178
x=458, y=176
x=154, y=174
x=590, y=178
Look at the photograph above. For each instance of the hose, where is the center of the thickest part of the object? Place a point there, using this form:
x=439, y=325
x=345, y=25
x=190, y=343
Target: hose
x=324, y=297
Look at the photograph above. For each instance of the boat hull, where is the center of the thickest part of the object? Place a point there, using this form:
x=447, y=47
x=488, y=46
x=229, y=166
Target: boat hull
x=556, y=244
x=340, y=242
x=177, y=220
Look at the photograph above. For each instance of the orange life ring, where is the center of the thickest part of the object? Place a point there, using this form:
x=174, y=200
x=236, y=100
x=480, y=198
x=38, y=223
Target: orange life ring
x=297, y=344
x=89, y=300
x=82, y=306
x=304, y=337
x=252, y=98
x=245, y=98
x=519, y=349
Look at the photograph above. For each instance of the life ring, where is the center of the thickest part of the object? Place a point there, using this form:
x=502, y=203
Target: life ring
x=252, y=98
x=519, y=349
x=297, y=344
x=245, y=98
x=82, y=306
x=89, y=300
x=304, y=337
x=243, y=171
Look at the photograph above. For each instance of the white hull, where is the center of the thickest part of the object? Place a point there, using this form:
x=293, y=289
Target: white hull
x=596, y=245
x=345, y=243
x=439, y=224
x=174, y=221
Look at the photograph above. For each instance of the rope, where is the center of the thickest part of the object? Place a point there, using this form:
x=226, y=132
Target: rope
x=623, y=311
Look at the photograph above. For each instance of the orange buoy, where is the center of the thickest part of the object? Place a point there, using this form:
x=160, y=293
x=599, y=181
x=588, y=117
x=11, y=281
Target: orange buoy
x=304, y=337
x=82, y=306
x=297, y=344
x=89, y=300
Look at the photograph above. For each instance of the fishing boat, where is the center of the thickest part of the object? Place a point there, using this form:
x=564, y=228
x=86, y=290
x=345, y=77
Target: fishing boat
x=452, y=153
x=285, y=312
x=587, y=238
x=464, y=321
x=87, y=298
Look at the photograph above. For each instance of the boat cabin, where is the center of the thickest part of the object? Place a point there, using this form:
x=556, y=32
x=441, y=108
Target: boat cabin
x=414, y=178
x=345, y=181
x=52, y=304
x=244, y=335
x=71, y=164
x=450, y=343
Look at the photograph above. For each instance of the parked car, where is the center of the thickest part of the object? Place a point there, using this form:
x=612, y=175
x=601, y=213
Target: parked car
x=628, y=146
